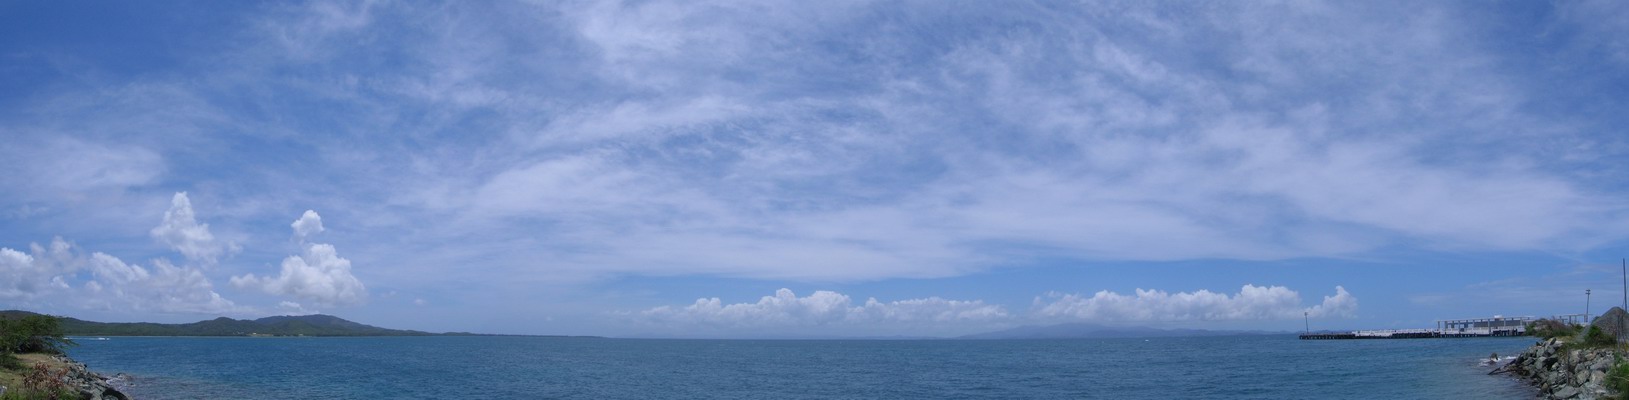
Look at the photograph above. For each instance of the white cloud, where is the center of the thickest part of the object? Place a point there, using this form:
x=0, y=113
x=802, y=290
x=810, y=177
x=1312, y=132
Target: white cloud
x=111, y=283
x=25, y=211
x=164, y=287
x=1250, y=303
x=318, y=274
x=836, y=313
x=19, y=276
x=309, y=224
x=786, y=309
x=182, y=232
x=59, y=167
x=292, y=308
x=1110, y=148
x=1342, y=304
x=26, y=276
x=739, y=140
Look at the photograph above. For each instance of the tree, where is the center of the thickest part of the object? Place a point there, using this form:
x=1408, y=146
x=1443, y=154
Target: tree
x=33, y=334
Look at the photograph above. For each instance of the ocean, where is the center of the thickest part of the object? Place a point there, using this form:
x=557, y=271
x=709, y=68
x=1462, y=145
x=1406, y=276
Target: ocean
x=1230, y=367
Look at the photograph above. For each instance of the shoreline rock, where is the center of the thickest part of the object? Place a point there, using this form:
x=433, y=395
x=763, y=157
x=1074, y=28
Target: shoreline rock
x=90, y=385
x=1562, y=373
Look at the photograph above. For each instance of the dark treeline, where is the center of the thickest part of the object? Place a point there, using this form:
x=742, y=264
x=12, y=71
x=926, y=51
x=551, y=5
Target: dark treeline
x=302, y=325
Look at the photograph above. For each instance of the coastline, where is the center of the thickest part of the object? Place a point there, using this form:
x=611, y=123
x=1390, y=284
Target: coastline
x=1562, y=372
x=74, y=376
x=1574, y=361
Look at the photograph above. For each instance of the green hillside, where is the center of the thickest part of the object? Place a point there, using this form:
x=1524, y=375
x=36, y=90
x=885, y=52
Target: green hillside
x=301, y=325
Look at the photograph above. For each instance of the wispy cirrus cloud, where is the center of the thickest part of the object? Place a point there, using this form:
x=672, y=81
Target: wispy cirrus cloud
x=866, y=141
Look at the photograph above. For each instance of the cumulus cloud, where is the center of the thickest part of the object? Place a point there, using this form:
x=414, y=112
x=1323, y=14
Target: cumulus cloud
x=828, y=311
x=182, y=232
x=318, y=274
x=309, y=224
x=1342, y=304
x=164, y=287
x=19, y=275
x=1250, y=303
x=111, y=283
x=786, y=309
x=25, y=276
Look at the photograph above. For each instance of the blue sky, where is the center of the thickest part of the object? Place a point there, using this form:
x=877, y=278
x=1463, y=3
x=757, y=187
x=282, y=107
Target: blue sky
x=725, y=169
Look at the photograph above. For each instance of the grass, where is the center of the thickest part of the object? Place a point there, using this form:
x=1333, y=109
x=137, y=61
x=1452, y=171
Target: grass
x=1617, y=378
x=20, y=385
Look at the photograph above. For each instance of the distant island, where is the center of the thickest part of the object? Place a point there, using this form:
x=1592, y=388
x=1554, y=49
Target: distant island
x=289, y=325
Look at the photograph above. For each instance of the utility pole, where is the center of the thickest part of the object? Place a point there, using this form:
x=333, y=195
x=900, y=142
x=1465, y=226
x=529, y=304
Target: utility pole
x=1586, y=306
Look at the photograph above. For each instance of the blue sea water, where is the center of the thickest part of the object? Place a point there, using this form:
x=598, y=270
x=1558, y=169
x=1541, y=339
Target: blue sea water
x=1237, y=367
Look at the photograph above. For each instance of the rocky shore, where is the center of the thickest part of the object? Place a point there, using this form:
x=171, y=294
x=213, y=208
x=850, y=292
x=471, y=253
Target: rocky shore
x=1573, y=366
x=91, y=385
x=1562, y=373
x=74, y=377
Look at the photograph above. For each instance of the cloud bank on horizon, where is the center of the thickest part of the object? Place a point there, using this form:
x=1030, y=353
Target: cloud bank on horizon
x=565, y=155
x=827, y=310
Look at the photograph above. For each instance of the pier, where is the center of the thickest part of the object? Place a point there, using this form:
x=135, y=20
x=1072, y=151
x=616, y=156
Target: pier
x=1497, y=326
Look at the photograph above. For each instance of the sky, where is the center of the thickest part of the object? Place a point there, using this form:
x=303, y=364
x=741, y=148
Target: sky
x=814, y=169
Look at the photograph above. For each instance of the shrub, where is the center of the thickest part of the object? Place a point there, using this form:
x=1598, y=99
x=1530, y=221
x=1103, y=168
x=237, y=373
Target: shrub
x=1617, y=379
x=1596, y=337
x=33, y=334
x=42, y=383
x=1549, y=328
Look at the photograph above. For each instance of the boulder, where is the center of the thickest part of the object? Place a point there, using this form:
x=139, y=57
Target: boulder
x=1566, y=392
x=1612, y=321
x=1601, y=364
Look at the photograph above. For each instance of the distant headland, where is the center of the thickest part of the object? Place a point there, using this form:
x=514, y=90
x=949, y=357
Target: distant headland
x=288, y=325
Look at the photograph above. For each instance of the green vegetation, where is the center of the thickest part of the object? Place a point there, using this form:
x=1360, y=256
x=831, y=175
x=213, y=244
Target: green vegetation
x=41, y=382
x=1594, y=337
x=302, y=325
x=1617, y=378
x=35, y=335
x=30, y=334
x=1549, y=328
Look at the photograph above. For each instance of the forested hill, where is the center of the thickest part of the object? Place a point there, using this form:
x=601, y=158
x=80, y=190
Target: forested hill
x=301, y=325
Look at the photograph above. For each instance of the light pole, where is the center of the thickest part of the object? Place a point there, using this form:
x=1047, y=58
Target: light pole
x=1586, y=306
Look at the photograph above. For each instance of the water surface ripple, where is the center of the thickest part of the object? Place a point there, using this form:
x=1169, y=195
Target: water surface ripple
x=1239, y=367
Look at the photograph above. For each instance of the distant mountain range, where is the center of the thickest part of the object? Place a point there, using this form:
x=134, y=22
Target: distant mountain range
x=1085, y=331
x=293, y=325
